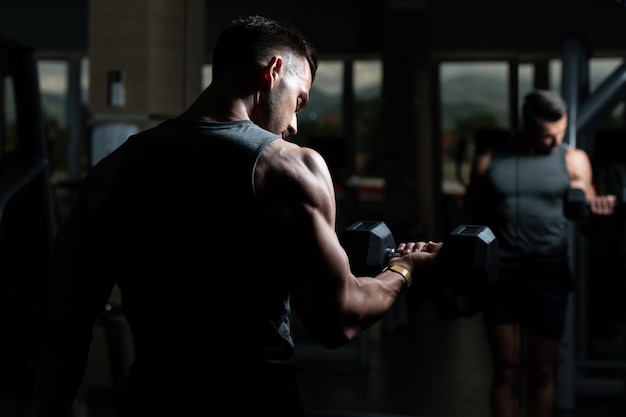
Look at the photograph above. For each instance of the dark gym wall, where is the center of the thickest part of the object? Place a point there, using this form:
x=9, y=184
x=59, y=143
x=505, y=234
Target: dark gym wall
x=459, y=27
x=55, y=25
x=335, y=27
x=526, y=27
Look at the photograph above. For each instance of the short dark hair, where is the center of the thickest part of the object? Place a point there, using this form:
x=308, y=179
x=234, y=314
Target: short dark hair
x=542, y=106
x=246, y=41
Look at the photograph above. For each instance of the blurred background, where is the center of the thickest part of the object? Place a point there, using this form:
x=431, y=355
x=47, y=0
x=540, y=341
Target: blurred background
x=406, y=93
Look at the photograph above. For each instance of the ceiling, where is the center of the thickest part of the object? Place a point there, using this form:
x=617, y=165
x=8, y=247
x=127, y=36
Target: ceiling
x=458, y=28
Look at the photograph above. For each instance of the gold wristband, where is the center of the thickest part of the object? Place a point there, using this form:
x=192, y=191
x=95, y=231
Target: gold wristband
x=402, y=271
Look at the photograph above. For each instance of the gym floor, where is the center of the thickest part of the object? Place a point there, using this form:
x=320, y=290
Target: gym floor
x=415, y=362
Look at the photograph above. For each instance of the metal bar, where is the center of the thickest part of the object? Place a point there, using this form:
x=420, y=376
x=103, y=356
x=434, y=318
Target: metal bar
x=17, y=178
x=603, y=100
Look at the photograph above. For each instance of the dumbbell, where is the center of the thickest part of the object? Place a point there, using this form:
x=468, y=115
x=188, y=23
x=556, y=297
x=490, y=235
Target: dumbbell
x=468, y=262
x=576, y=206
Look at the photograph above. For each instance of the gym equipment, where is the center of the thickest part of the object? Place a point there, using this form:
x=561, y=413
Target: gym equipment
x=576, y=206
x=468, y=262
x=120, y=347
x=27, y=220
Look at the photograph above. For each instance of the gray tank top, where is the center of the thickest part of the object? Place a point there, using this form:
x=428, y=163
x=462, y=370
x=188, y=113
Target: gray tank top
x=526, y=207
x=204, y=287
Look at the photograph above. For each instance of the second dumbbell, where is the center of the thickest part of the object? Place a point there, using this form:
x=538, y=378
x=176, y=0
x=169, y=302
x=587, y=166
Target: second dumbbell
x=576, y=206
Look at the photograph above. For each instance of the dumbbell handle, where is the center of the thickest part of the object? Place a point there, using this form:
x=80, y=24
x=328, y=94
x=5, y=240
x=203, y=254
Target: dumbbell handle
x=577, y=207
x=577, y=195
x=393, y=252
x=468, y=260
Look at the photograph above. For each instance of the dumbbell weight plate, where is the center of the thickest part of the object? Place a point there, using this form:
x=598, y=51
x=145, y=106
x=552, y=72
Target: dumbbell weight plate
x=468, y=263
x=576, y=207
x=470, y=260
x=368, y=245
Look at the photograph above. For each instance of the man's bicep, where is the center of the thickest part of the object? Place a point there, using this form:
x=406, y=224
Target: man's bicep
x=294, y=183
x=580, y=171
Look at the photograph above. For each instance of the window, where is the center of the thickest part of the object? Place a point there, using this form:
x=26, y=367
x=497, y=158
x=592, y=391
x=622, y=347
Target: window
x=322, y=118
x=206, y=75
x=368, y=75
x=473, y=95
x=8, y=135
x=600, y=69
x=54, y=79
x=53, y=85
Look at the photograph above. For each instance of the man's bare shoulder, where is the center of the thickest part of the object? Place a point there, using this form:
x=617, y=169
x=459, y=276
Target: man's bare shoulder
x=293, y=174
x=290, y=159
x=574, y=152
x=575, y=157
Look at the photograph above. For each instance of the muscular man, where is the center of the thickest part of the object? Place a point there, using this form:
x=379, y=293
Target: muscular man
x=213, y=225
x=518, y=190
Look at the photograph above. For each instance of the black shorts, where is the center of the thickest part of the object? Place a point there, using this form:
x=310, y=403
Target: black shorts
x=542, y=311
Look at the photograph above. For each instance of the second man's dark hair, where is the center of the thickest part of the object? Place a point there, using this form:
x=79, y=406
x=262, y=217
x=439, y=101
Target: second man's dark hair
x=542, y=106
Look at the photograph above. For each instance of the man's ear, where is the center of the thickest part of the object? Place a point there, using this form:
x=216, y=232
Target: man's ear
x=272, y=72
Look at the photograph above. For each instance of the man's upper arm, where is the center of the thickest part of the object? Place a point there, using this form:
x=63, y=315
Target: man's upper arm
x=297, y=191
x=580, y=171
x=290, y=180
